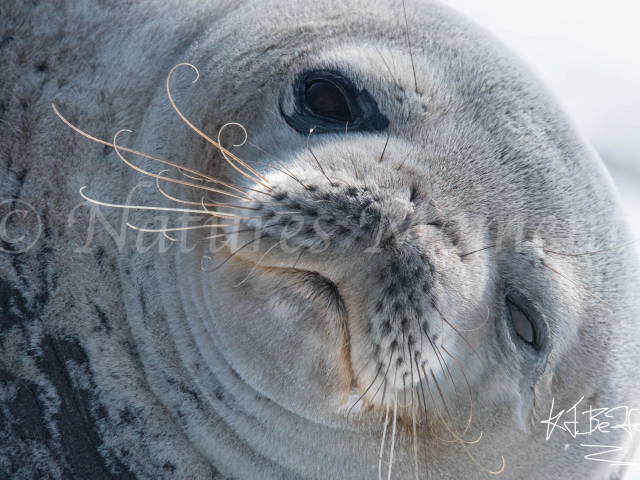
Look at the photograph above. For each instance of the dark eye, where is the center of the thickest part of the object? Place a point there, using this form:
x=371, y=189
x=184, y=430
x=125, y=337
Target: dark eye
x=522, y=324
x=326, y=100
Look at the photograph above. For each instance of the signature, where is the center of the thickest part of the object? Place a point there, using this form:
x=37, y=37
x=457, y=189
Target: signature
x=604, y=420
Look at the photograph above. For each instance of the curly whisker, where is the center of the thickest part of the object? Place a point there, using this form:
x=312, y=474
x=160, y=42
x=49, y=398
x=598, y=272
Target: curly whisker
x=135, y=152
x=224, y=151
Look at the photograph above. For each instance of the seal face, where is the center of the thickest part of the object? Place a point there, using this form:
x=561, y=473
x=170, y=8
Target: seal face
x=368, y=246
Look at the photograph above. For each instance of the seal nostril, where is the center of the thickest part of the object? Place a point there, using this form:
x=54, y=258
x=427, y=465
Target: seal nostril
x=386, y=328
x=365, y=203
x=352, y=192
x=405, y=324
x=413, y=193
x=280, y=196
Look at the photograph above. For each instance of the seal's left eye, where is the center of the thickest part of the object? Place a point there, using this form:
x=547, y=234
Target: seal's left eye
x=329, y=102
x=326, y=100
x=522, y=324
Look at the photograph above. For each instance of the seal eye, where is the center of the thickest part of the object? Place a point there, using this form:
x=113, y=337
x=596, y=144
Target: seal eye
x=522, y=324
x=326, y=100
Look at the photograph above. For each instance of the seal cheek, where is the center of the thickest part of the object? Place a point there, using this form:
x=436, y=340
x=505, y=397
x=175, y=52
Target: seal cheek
x=284, y=332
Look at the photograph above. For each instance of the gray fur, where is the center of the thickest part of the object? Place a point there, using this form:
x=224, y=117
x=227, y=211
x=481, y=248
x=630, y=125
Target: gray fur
x=121, y=363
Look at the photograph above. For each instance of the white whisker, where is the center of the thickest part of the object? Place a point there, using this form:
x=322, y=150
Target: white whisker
x=384, y=436
x=258, y=263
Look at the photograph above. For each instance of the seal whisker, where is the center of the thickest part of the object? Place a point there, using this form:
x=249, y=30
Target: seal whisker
x=454, y=433
x=222, y=205
x=135, y=152
x=413, y=66
x=405, y=158
x=189, y=176
x=395, y=421
x=577, y=285
x=349, y=156
x=294, y=266
x=393, y=113
x=306, y=142
x=435, y=350
x=470, y=395
x=232, y=205
x=365, y=392
x=479, y=250
x=444, y=374
x=355, y=377
x=224, y=151
x=258, y=263
x=462, y=442
x=316, y=158
x=411, y=370
x=456, y=330
x=282, y=169
x=145, y=207
x=437, y=411
x=236, y=159
x=404, y=394
x=426, y=416
x=414, y=436
x=223, y=234
x=231, y=256
x=591, y=253
x=177, y=229
x=457, y=436
x=172, y=180
x=383, y=383
x=384, y=436
x=404, y=343
x=479, y=327
x=211, y=237
x=413, y=413
x=242, y=190
x=464, y=299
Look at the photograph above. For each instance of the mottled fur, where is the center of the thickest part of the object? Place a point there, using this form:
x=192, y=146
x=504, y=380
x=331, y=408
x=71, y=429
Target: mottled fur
x=121, y=363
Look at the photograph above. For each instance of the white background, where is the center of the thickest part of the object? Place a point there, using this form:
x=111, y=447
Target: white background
x=588, y=54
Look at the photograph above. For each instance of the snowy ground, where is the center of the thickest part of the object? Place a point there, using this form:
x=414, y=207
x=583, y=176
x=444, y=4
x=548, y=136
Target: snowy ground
x=588, y=54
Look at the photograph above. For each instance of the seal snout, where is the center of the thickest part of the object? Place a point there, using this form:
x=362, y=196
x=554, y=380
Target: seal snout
x=369, y=241
x=336, y=216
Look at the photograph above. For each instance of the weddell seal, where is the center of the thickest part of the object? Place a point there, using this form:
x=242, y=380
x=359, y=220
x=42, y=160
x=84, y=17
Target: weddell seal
x=364, y=244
